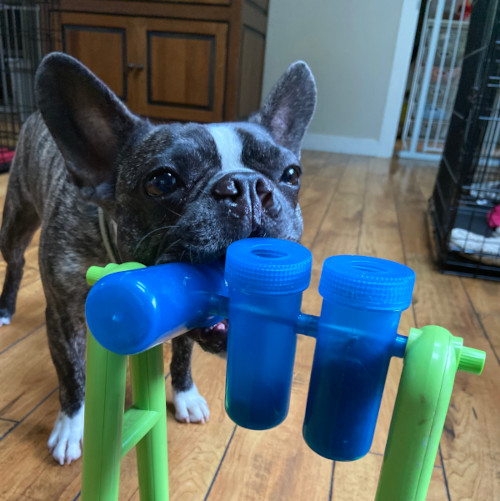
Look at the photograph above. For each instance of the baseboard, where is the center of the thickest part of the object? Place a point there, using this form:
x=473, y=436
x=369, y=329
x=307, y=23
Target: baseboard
x=349, y=145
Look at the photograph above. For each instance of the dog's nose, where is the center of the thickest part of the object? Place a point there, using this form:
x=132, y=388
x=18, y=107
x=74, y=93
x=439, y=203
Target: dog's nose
x=245, y=190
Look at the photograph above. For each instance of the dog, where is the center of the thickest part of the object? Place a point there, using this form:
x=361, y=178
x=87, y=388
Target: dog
x=106, y=185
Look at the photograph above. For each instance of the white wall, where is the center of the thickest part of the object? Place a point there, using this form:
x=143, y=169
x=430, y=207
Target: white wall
x=359, y=52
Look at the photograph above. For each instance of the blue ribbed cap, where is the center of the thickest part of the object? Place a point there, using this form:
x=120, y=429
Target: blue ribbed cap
x=268, y=266
x=367, y=282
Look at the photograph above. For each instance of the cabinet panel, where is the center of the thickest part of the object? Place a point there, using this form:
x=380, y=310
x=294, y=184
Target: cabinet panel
x=100, y=43
x=181, y=69
x=186, y=64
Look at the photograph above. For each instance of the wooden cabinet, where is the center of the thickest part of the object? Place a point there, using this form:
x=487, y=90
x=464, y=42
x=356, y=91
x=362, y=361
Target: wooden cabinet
x=172, y=61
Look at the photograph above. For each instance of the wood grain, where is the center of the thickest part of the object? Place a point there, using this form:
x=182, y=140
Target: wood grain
x=29, y=317
x=350, y=205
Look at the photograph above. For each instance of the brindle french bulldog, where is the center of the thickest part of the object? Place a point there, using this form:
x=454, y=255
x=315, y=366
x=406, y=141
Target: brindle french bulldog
x=105, y=184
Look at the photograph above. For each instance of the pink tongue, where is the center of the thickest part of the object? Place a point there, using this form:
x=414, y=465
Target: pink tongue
x=219, y=327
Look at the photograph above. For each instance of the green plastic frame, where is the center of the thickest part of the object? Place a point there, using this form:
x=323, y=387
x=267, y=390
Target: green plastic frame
x=431, y=361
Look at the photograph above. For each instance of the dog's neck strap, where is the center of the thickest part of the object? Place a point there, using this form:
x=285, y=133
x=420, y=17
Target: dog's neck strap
x=106, y=237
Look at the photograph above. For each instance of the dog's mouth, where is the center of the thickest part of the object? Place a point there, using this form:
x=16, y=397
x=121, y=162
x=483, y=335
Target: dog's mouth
x=211, y=250
x=212, y=339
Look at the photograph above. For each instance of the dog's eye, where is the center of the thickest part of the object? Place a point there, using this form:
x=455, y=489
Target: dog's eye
x=291, y=175
x=161, y=183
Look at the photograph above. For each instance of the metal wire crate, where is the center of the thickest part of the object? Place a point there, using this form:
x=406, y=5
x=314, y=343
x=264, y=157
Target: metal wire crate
x=25, y=35
x=467, y=186
x=436, y=74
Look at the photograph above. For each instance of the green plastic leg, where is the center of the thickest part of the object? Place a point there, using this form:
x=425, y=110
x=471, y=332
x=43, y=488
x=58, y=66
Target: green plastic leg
x=431, y=360
x=104, y=404
x=148, y=390
x=109, y=432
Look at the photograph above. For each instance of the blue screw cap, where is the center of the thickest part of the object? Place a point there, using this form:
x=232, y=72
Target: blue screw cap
x=268, y=266
x=367, y=282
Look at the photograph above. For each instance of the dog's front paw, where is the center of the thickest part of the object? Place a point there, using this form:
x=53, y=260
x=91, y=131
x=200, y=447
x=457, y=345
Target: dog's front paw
x=66, y=439
x=4, y=321
x=190, y=406
x=5, y=316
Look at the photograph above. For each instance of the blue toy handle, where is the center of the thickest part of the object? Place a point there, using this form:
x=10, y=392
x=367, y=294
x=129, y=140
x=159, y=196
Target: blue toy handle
x=131, y=311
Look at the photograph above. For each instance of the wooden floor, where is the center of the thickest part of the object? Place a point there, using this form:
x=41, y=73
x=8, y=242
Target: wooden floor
x=351, y=205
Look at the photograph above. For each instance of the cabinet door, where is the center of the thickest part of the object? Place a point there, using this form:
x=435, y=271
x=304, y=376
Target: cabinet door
x=101, y=43
x=185, y=68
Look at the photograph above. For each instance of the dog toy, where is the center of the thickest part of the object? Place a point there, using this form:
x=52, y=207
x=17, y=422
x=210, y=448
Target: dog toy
x=260, y=291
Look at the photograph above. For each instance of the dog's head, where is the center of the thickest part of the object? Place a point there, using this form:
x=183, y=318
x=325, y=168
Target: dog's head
x=180, y=191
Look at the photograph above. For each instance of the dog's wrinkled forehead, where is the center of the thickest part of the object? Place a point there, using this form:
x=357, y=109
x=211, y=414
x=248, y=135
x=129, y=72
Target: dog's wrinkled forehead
x=223, y=147
x=244, y=146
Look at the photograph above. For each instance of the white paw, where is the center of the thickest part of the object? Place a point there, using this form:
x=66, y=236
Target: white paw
x=66, y=439
x=190, y=406
x=4, y=321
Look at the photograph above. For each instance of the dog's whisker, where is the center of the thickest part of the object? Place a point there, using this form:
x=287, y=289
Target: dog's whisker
x=173, y=212
x=162, y=253
x=169, y=209
x=150, y=234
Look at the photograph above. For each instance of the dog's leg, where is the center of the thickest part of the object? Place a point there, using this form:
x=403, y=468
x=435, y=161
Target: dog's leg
x=190, y=406
x=20, y=221
x=65, y=292
x=66, y=334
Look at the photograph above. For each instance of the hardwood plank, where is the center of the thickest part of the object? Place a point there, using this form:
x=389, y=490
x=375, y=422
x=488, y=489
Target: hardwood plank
x=24, y=454
x=31, y=270
x=324, y=165
x=315, y=196
x=27, y=375
x=358, y=480
x=30, y=315
x=195, y=451
x=484, y=297
x=266, y=467
x=491, y=326
x=4, y=180
x=380, y=235
x=5, y=426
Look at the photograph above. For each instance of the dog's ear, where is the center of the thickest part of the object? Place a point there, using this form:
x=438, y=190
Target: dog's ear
x=87, y=121
x=289, y=109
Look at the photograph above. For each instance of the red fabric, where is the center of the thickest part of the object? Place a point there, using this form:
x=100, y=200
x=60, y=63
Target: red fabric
x=6, y=155
x=493, y=217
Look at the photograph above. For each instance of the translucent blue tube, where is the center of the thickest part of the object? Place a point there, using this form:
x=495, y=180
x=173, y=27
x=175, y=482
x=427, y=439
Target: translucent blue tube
x=131, y=311
x=357, y=333
x=265, y=278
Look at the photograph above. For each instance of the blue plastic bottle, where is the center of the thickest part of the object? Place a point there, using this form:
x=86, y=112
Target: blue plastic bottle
x=363, y=300
x=131, y=311
x=265, y=279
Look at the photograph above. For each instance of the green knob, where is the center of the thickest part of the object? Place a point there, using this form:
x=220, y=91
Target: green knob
x=95, y=273
x=471, y=360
